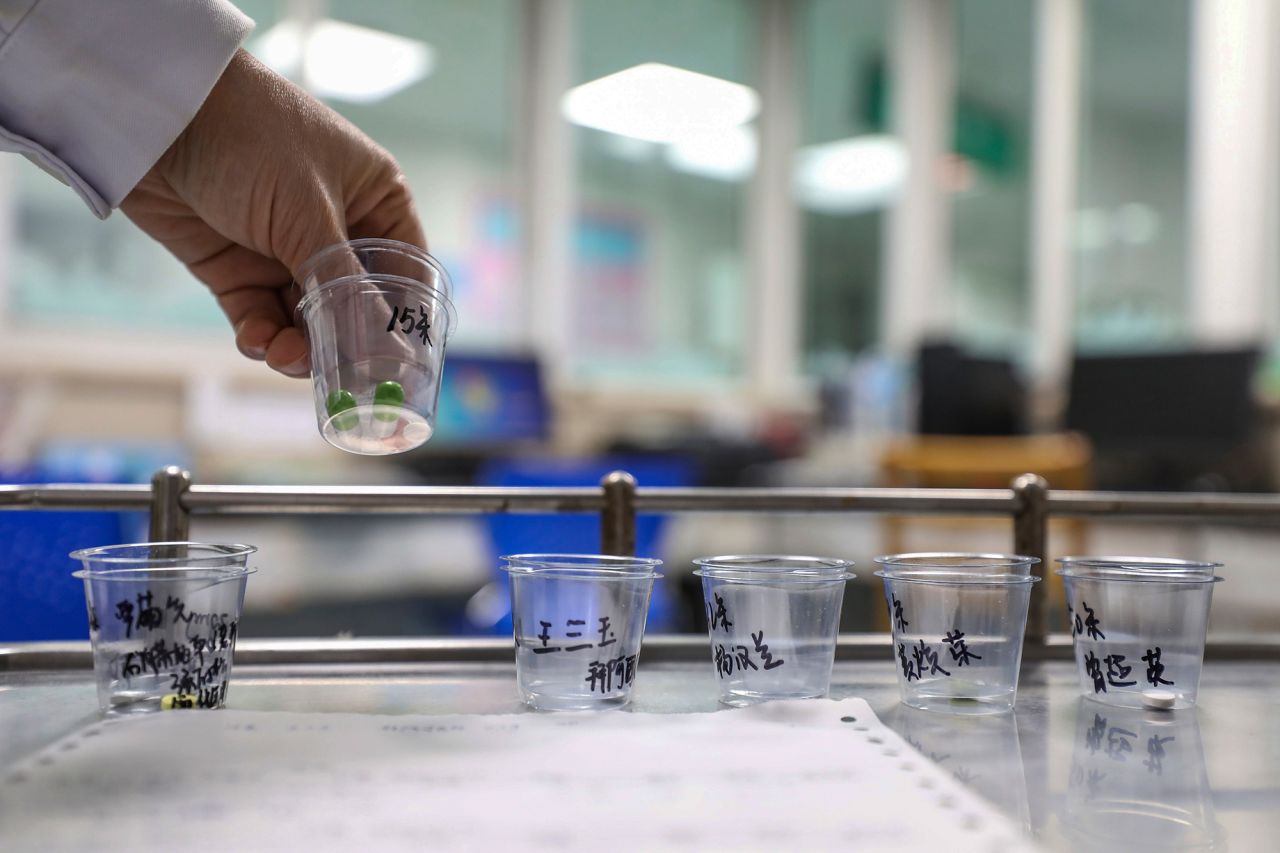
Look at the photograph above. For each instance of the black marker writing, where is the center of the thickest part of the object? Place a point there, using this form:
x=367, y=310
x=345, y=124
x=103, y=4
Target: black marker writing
x=1093, y=668
x=1091, y=624
x=731, y=658
x=194, y=665
x=1155, y=754
x=763, y=649
x=1093, y=737
x=1118, y=743
x=899, y=619
x=959, y=650
x=601, y=675
x=404, y=317
x=545, y=637
x=1116, y=670
x=718, y=615
x=1155, y=669
x=925, y=655
x=908, y=668
x=604, y=630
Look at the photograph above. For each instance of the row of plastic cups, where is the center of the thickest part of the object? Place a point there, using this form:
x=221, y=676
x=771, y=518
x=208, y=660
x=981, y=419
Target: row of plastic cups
x=958, y=622
x=1138, y=627
x=579, y=620
x=772, y=622
x=164, y=618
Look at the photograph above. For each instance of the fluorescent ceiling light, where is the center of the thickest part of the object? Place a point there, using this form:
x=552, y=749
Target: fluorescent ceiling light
x=334, y=59
x=660, y=103
x=728, y=154
x=850, y=175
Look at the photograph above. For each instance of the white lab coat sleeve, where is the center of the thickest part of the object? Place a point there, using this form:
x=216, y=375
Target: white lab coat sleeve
x=94, y=91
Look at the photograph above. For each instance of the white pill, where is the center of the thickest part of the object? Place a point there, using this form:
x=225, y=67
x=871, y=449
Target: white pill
x=417, y=433
x=1158, y=699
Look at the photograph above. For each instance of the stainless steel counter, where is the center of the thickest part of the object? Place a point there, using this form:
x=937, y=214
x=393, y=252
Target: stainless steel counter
x=1076, y=775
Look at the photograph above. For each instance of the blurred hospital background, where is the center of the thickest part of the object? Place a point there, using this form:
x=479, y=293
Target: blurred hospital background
x=713, y=242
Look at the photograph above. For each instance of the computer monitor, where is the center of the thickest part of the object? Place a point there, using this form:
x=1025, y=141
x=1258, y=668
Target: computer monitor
x=491, y=401
x=1171, y=420
x=963, y=394
x=1191, y=395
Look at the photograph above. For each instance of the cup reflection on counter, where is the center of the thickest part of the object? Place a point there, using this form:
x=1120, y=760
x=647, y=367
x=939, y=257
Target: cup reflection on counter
x=980, y=752
x=1138, y=781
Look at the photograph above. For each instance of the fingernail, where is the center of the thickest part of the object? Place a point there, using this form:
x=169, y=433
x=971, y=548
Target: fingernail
x=298, y=368
x=257, y=352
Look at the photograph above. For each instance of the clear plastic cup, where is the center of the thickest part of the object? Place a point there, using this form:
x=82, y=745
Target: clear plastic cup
x=958, y=621
x=1138, y=782
x=578, y=620
x=772, y=622
x=1138, y=627
x=378, y=314
x=163, y=619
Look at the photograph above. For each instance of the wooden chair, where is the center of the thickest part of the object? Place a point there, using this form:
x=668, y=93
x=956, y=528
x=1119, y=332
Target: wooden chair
x=982, y=462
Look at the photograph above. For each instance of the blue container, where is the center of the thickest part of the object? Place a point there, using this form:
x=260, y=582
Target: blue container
x=39, y=600
x=571, y=533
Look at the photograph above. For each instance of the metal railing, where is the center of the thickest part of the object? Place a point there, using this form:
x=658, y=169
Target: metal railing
x=172, y=499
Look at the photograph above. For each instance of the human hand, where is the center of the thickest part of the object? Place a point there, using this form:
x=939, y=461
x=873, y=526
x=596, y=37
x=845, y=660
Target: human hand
x=262, y=178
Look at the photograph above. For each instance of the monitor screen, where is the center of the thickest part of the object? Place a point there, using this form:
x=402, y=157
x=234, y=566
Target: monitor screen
x=491, y=400
x=1201, y=396
x=963, y=394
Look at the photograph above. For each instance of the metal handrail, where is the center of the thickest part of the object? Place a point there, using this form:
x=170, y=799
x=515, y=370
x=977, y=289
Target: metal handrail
x=255, y=500
x=172, y=498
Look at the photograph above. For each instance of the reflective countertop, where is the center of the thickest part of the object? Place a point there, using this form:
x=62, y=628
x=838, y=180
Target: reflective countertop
x=1075, y=774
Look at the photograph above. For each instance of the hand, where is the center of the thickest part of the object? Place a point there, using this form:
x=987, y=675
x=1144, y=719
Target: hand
x=262, y=178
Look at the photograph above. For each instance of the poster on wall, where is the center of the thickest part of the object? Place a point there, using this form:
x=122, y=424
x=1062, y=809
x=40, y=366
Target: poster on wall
x=612, y=312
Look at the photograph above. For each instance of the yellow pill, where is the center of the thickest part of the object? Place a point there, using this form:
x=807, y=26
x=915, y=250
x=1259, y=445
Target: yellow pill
x=172, y=701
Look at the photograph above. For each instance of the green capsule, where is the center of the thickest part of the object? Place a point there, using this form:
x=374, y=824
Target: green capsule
x=338, y=402
x=388, y=394
x=391, y=395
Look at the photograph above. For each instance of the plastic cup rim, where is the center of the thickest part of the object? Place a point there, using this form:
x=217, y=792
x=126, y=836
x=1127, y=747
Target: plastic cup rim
x=595, y=567
x=788, y=579
x=957, y=579
x=102, y=554
x=380, y=243
x=1184, y=578
x=1139, y=569
x=141, y=574
x=981, y=560
x=1139, y=563
x=746, y=568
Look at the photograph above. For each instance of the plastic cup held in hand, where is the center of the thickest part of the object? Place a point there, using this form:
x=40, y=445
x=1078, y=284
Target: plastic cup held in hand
x=578, y=622
x=163, y=621
x=378, y=314
x=958, y=621
x=1138, y=627
x=772, y=622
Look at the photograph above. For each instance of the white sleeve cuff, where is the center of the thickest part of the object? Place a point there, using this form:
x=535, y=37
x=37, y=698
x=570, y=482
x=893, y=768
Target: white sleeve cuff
x=94, y=92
